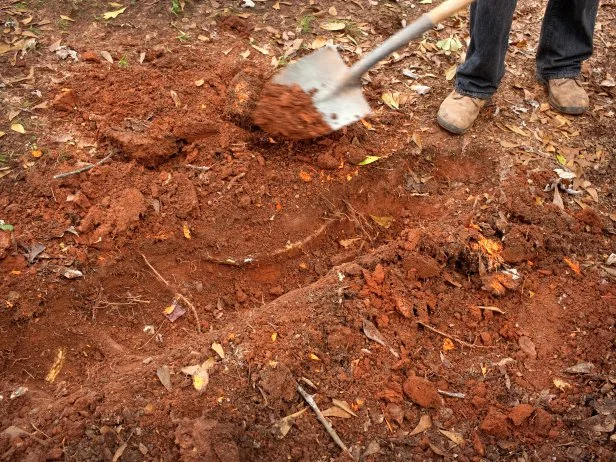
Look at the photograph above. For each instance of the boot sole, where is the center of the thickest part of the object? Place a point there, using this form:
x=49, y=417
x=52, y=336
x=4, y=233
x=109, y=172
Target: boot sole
x=450, y=128
x=566, y=110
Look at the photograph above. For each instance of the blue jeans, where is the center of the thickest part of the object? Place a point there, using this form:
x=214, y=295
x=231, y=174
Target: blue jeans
x=566, y=41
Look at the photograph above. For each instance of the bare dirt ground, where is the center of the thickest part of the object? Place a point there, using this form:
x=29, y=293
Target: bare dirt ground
x=454, y=299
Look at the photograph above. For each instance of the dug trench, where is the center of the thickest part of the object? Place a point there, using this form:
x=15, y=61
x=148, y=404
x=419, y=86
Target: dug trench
x=295, y=258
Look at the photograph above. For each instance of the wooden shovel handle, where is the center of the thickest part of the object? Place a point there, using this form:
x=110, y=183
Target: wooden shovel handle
x=446, y=9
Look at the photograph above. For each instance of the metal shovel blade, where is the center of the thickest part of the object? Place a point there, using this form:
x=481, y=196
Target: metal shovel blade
x=319, y=74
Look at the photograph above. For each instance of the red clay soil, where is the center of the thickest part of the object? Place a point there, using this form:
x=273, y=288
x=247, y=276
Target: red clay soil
x=439, y=284
x=288, y=111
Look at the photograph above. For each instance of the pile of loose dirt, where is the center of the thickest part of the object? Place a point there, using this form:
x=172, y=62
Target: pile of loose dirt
x=288, y=111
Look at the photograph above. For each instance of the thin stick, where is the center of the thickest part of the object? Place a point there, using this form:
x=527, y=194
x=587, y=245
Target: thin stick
x=456, y=339
x=193, y=309
x=328, y=426
x=491, y=308
x=40, y=431
x=177, y=295
x=204, y=168
x=83, y=169
x=153, y=336
x=154, y=270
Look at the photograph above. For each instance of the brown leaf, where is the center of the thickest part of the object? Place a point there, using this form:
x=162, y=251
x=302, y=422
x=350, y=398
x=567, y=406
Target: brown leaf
x=425, y=422
x=558, y=201
x=335, y=411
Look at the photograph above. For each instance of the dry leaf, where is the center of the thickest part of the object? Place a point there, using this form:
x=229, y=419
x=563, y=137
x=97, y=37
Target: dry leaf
x=390, y=99
x=318, y=42
x=455, y=437
x=175, y=98
x=276, y=6
x=593, y=193
x=508, y=145
x=561, y=384
x=518, y=130
x=186, y=231
x=558, y=201
x=448, y=345
x=425, y=422
x=66, y=18
x=19, y=128
x=368, y=160
x=37, y=153
x=119, y=452
x=245, y=54
x=305, y=176
x=416, y=138
x=384, y=222
x=314, y=357
x=451, y=72
x=217, y=347
x=113, y=14
x=335, y=411
x=283, y=426
x=572, y=264
x=344, y=406
x=332, y=11
x=106, y=56
x=164, y=376
x=199, y=82
x=333, y=26
x=57, y=365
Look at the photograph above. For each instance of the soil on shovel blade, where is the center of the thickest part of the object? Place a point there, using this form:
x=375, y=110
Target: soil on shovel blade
x=442, y=298
x=288, y=111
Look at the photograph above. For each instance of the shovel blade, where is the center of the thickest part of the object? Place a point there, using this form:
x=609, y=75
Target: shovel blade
x=319, y=74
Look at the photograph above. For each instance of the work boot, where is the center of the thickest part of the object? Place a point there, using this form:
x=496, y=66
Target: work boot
x=567, y=96
x=458, y=112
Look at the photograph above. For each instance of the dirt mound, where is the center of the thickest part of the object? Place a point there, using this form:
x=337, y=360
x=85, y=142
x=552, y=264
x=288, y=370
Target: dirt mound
x=288, y=111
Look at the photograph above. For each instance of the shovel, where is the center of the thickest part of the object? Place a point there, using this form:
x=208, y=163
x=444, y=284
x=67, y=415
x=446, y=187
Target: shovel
x=336, y=89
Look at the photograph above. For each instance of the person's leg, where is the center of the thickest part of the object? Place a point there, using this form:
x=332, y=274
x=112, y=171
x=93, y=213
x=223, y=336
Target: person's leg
x=478, y=78
x=484, y=67
x=566, y=38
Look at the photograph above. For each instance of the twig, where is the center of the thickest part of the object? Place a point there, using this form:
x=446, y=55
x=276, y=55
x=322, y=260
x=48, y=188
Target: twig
x=153, y=336
x=177, y=294
x=452, y=394
x=193, y=309
x=456, y=339
x=491, y=308
x=328, y=426
x=154, y=270
x=40, y=431
x=204, y=168
x=83, y=169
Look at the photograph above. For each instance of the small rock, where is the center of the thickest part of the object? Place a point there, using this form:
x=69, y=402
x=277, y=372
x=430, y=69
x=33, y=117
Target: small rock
x=478, y=445
x=64, y=101
x=54, y=454
x=486, y=338
x=5, y=243
x=422, y=392
x=520, y=414
x=528, y=347
x=327, y=162
x=277, y=291
x=581, y=368
x=495, y=424
x=90, y=56
x=542, y=422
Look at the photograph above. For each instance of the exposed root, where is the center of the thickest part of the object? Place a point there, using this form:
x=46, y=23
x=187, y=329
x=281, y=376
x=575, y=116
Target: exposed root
x=455, y=339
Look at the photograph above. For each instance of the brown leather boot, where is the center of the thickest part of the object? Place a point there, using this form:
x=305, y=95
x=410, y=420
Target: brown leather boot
x=567, y=96
x=458, y=112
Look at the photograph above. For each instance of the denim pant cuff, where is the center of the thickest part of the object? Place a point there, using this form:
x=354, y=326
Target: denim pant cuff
x=473, y=94
x=569, y=74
